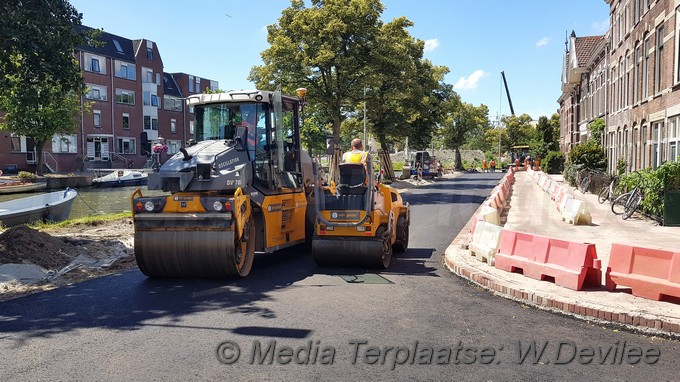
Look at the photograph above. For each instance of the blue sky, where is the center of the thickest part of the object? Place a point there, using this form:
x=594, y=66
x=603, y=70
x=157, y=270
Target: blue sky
x=222, y=39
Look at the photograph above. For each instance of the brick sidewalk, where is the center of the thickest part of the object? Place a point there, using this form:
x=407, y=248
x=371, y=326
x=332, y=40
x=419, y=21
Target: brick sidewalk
x=531, y=210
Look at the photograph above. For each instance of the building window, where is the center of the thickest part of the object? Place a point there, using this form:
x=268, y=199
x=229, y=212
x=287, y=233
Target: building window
x=677, y=45
x=126, y=121
x=67, y=144
x=636, y=73
x=96, y=92
x=191, y=127
x=198, y=85
x=119, y=49
x=127, y=145
x=173, y=146
x=657, y=147
x=158, y=79
x=645, y=68
x=658, y=64
x=172, y=103
x=149, y=53
x=674, y=139
x=93, y=63
x=643, y=146
x=150, y=123
x=191, y=83
x=125, y=96
x=154, y=100
x=173, y=125
x=126, y=70
x=626, y=101
x=148, y=75
x=97, y=118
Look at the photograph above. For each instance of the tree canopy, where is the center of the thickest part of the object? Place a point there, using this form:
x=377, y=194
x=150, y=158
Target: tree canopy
x=42, y=82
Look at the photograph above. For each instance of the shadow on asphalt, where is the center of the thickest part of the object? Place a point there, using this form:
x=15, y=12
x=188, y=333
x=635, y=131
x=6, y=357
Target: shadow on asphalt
x=130, y=301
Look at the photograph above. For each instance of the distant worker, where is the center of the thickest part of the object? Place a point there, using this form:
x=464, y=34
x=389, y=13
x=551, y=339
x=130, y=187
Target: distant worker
x=492, y=164
x=357, y=154
x=485, y=167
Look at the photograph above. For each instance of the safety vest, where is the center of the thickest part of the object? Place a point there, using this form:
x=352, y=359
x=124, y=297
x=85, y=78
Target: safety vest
x=354, y=157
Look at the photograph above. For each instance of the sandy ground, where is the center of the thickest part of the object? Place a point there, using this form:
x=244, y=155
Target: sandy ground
x=54, y=248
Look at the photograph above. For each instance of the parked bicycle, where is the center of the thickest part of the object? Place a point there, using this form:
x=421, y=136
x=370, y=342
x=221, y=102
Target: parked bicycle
x=586, y=181
x=609, y=192
x=627, y=203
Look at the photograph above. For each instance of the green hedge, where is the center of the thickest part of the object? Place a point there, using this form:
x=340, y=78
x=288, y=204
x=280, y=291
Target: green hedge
x=652, y=185
x=553, y=163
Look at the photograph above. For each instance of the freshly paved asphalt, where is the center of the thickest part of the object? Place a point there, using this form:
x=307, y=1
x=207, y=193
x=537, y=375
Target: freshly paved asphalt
x=126, y=327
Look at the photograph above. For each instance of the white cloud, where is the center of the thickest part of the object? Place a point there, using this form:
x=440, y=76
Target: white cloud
x=472, y=81
x=431, y=44
x=600, y=27
x=542, y=42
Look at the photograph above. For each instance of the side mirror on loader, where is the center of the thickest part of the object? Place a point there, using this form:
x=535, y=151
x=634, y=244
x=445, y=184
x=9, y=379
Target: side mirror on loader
x=241, y=138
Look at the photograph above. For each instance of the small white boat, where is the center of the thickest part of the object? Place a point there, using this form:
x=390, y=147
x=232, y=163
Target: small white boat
x=15, y=187
x=120, y=178
x=53, y=206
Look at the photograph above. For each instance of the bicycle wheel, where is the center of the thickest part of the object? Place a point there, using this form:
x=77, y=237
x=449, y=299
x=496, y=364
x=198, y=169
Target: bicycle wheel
x=632, y=205
x=585, y=184
x=619, y=204
x=603, y=195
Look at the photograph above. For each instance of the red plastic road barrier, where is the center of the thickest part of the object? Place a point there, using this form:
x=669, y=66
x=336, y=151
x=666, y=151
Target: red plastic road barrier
x=650, y=273
x=571, y=265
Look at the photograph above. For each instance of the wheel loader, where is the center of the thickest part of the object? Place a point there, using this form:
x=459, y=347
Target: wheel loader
x=244, y=185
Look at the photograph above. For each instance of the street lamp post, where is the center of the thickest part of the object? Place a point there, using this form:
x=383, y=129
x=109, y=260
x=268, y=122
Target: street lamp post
x=365, y=143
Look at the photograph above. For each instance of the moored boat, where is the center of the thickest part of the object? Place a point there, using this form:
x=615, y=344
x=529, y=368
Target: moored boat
x=52, y=206
x=15, y=187
x=121, y=178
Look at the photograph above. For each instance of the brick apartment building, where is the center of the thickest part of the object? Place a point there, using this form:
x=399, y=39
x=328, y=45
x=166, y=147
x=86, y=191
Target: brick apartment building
x=131, y=99
x=630, y=77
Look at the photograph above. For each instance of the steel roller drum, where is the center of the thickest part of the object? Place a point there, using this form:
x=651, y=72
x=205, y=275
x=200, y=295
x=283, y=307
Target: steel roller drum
x=348, y=251
x=185, y=253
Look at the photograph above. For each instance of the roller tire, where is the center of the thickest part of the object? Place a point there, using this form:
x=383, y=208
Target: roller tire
x=240, y=261
x=385, y=256
x=401, y=244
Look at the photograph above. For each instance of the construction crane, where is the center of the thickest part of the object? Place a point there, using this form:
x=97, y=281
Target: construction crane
x=507, y=92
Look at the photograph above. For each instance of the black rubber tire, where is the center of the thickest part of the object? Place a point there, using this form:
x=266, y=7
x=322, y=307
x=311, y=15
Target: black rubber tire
x=385, y=257
x=401, y=244
x=603, y=195
x=238, y=266
x=631, y=206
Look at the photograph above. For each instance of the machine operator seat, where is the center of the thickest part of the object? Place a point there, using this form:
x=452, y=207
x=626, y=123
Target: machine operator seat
x=352, y=179
x=351, y=189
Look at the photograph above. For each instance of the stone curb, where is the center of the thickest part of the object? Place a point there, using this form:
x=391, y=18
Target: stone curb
x=646, y=323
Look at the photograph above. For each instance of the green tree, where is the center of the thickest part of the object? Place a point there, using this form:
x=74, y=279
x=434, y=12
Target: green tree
x=596, y=128
x=520, y=131
x=326, y=48
x=465, y=120
x=545, y=139
x=42, y=83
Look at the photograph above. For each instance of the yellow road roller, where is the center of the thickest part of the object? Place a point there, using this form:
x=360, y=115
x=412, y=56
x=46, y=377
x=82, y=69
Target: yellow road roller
x=243, y=185
x=359, y=222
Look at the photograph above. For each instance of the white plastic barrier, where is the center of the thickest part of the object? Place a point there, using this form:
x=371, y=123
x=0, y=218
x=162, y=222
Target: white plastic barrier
x=489, y=215
x=576, y=212
x=485, y=242
x=563, y=203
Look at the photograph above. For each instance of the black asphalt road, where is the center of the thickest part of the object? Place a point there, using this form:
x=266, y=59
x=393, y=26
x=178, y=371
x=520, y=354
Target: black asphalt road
x=294, y=321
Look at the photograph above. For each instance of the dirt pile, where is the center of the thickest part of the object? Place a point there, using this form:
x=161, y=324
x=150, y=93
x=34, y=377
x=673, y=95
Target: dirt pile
x=24, y=245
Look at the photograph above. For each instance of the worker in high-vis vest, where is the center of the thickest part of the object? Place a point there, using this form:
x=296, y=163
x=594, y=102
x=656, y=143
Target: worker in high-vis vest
x=357, y=154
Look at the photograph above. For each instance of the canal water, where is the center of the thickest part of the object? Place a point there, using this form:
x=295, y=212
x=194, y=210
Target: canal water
x=97, y=201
